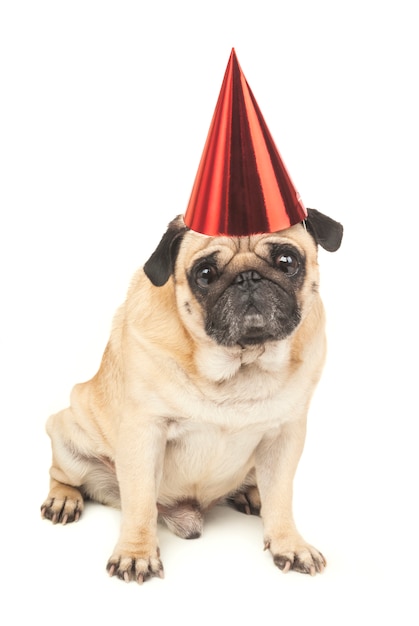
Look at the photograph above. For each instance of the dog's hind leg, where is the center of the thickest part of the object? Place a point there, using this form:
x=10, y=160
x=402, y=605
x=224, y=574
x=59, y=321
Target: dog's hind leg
x=246, y=499
x=65, y=501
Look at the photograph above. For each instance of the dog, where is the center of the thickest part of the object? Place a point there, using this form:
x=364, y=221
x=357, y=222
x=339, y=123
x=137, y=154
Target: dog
x=202, y=394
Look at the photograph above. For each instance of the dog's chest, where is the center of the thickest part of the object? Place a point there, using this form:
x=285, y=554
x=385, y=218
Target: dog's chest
x=211, y=448
x=219, y=419
x=243, y=396
x=206, y=461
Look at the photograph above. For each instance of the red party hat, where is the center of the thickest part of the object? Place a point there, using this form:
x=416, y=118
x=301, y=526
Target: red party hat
x=242, y=186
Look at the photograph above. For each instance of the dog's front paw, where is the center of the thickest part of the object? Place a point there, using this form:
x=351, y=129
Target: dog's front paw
x=293, y=553
x=135, y=567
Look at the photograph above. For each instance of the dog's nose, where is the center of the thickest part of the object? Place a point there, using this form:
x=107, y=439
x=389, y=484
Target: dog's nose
x=247, y=280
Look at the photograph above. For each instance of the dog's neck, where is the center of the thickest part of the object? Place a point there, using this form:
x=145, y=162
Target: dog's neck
x=218, y=363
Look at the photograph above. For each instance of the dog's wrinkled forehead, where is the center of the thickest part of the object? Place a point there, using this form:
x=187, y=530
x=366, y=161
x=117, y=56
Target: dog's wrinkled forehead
x=234, y=253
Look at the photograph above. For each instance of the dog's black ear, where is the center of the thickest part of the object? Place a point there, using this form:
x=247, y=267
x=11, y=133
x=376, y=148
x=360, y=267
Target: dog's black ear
x=325, y=231
x=161, y=264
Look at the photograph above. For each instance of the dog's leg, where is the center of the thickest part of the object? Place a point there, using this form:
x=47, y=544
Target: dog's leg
x=276, y=463
x=139, y=464
x=246, y=501
x=64, y=503
x=247, y=498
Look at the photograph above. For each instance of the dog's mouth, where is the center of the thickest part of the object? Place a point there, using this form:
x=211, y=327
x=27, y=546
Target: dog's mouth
x=254, y=328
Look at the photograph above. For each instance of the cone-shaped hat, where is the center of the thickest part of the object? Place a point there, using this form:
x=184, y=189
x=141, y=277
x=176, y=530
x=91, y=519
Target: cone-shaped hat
x=242, y=186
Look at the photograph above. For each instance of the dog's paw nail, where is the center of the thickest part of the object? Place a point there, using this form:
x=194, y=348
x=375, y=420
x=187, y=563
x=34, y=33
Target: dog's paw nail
x=283, y=563
x=140, y=579
x=126, y=577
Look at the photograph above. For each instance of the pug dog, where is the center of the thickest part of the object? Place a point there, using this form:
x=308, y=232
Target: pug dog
x=202, y=394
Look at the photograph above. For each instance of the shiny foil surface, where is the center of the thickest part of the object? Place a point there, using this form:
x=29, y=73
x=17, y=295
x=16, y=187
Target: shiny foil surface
x=242, y=186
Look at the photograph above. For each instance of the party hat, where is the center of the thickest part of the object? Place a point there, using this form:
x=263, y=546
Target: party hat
x=242, y=186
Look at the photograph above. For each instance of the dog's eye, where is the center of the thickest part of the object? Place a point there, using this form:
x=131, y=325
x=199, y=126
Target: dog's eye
x=287, y=263
x=205, y=275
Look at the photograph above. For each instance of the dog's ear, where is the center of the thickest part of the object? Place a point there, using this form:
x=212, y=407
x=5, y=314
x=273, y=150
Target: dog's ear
x=325, y=231
x=161, y=264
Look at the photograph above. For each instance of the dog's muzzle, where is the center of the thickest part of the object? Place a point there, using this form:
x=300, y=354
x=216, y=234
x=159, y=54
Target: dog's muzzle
x=252, y=310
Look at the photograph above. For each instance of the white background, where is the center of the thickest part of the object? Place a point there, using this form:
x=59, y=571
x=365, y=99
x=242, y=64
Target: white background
x=105, y=107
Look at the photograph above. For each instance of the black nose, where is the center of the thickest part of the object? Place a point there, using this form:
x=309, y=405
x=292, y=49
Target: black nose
x=247, y=280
